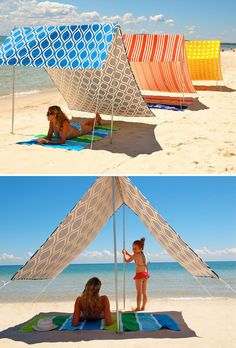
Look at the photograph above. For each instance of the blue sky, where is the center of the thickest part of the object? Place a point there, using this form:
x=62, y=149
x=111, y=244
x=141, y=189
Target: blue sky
x=202, y=19
x=200, y=209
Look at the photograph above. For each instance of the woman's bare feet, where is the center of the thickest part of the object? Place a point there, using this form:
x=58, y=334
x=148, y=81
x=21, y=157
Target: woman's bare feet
x=135, y=309
x=142, y=308
x=98, y=118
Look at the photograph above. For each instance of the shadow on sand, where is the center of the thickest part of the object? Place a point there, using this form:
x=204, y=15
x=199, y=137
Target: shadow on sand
x=76, y=336
x=214, y=88
x=132, y=139
x=197, y=105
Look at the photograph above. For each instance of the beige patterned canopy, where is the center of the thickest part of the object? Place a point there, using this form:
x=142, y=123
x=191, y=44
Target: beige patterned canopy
x=88, y=217
x=111, y=90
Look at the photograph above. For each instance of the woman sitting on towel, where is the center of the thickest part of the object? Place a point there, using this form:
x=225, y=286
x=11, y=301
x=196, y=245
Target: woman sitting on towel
x=62, y=127
x=90, y=305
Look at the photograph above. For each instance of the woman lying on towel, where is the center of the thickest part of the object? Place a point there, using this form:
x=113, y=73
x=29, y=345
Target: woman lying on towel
x=90, y=305
x=62, y=127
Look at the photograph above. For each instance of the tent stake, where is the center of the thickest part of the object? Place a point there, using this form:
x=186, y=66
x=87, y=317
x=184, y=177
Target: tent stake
x=115, y=256
x=13, y=101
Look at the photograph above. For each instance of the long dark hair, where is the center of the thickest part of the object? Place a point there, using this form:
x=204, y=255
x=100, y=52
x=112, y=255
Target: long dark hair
x=90, y=299
x=60, y=115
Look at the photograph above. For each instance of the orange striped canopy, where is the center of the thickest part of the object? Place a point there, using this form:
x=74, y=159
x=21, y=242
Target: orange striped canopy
x=159, y=62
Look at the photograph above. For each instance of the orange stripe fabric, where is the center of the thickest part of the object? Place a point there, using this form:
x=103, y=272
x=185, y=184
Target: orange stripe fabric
x=150, y=47
x=153, y=48
x=159, y=62
x=143, y=48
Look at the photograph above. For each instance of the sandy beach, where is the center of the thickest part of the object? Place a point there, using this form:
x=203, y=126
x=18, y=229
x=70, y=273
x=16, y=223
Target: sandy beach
x=199, y=140
x=204, y=323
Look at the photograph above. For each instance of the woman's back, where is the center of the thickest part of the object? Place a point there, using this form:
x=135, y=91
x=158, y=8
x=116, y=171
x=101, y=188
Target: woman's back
x=91, y=309
x=90, y=305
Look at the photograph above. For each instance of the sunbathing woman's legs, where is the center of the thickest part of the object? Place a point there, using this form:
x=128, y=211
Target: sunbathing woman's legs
x=88, y=125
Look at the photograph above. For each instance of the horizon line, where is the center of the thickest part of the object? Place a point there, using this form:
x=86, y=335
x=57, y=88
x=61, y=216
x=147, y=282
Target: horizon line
x=121, y=263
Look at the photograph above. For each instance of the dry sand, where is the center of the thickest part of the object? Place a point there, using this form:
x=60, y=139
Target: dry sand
x=200, y=140
x=205, y=323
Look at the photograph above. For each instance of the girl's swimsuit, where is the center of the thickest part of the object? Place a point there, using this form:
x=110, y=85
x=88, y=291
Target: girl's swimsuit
x=142, y=275
x=76, y=126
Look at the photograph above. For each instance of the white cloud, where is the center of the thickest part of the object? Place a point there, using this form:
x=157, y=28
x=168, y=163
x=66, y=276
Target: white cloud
x=107, y=256
x=37, y=13
x=97, y=254
x=207, y=254
x=169, y=22
x=128, y=18
x=191, y=29
x=29, y=254
x=157, y=18
x=9, y=257
x=227, y=252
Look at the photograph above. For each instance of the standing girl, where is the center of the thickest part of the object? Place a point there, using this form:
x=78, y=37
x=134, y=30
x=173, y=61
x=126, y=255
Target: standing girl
x=142, y=275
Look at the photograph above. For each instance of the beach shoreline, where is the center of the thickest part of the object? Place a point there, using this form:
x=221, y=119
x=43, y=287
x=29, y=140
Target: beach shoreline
x=212, y=321
x=198, y=140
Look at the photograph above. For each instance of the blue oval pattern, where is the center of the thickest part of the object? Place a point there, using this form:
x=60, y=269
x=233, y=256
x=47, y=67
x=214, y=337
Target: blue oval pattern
x=65, y=47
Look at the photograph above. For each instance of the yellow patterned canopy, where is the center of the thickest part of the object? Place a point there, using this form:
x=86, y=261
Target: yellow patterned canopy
x=204, y=59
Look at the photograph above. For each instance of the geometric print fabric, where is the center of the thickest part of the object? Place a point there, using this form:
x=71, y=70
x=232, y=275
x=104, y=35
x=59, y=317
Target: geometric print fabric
x=88, y=217
x=64, y=47
x=163, y=232
x=110, y=90
x=90, y=74
x=74, y=234
x=204, y=59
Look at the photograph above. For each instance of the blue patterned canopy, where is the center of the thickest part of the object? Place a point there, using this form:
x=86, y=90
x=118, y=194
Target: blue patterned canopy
x=64, y=47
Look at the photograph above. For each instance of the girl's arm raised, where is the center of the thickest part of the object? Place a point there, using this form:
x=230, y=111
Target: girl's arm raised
x=129, y=259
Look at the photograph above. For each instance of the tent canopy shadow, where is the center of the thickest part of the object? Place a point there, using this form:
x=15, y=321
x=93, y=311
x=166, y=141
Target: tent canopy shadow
x=132, y=138
x=214, y=88
x=14, y=334
x=197, y=105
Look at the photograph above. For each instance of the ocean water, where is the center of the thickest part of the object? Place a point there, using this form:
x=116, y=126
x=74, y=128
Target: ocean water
x=168, y=280
x=32, y=80
x=27, y=80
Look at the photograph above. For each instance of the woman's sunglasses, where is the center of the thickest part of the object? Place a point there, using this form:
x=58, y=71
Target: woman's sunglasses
x=50, y=113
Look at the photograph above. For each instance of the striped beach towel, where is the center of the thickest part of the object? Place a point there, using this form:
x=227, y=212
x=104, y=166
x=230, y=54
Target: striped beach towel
x=147, y=322
x=78, y=143
x=165, y=100
x=83, y=325
x=128, y=322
